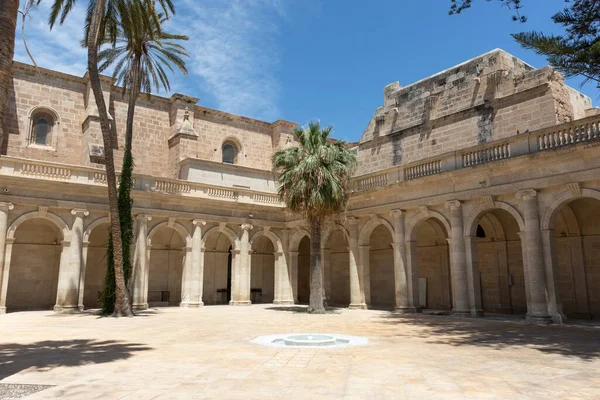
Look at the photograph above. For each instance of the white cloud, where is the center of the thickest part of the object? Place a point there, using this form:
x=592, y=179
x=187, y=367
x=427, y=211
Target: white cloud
x=233, y=49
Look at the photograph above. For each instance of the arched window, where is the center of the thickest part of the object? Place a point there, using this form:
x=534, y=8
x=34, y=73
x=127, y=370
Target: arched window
x=229, y=153
x=42, y=124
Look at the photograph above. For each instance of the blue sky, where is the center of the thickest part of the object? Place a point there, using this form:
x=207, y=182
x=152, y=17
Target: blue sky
x=301, y=60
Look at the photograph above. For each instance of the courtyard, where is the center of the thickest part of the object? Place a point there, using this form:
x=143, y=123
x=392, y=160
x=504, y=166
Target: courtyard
x=178, y=353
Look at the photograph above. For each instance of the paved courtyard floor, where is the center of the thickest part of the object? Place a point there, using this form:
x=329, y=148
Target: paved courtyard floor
x=173, y=353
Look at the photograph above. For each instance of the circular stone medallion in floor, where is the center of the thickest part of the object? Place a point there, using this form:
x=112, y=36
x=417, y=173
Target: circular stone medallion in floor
x=311, y=340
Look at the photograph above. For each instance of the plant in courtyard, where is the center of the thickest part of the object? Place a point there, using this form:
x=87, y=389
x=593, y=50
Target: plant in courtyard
x=101, y=26
x=139, y=57
x=574, y=52
x=313, y=180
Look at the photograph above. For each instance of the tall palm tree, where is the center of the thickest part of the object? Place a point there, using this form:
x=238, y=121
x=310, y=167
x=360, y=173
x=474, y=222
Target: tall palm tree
x=139, y=58
x=101, y=24
x=313, y=180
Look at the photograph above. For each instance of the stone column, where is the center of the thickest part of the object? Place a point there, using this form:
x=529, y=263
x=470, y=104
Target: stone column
x=364, y=263
x=141, y=264
x=554, y=304
x=84, y=255
x=412, y=273
x=401, y=279
x=458, y=264
x=67, y=293
x=193, y=269
x=283, y=289
x=4, y=260
x=241, y=269
x=473, y=276
x=357, y=295
x=538, y=305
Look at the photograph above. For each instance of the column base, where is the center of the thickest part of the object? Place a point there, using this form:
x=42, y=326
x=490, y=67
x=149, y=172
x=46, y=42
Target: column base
x=476, y=313
x=283, y=302
x=240, y=303
x=405, y=310
x=538, y=319
x=66, y=309
x=2, y=310
x=461, y=313
x=139, y=307
x=191, y=304
x=362, y=306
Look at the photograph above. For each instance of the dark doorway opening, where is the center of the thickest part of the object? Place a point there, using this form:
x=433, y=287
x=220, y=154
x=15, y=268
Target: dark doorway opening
x=229, y=259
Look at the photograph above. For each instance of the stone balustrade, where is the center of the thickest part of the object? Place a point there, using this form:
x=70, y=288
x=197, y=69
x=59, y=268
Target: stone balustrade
x=584, y=130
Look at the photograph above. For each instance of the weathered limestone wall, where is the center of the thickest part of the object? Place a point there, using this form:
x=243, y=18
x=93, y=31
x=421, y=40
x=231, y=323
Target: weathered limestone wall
x=166, y=263
x=381, y=268
x=339, y=275
x=95, y=269
x=434, y=264
x=263, y=269
x=35, y=265
x=490, y=97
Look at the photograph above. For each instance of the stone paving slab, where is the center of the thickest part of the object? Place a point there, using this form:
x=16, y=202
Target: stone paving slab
x=174, y=353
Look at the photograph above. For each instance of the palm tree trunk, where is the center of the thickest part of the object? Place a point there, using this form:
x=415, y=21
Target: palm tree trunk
x=122, y=305
x=315, y=305
x=9, y=10
x=125, y=201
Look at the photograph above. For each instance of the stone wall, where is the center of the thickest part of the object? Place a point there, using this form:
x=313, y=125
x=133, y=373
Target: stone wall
x=490, y=97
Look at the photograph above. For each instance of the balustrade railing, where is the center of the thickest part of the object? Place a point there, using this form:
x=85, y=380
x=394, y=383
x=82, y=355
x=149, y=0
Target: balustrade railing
x=568, y=135
x=371, y=182
x=172, y=187
x=422, y=170
x=267, y=199
x=487, y=154
x=222, y=193
x=46, y=171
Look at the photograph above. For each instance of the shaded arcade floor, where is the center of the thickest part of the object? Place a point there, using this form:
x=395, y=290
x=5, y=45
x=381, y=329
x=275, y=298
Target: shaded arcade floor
x=175, y=353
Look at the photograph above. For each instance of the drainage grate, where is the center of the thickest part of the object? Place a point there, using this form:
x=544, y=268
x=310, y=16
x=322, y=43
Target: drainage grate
x=12, y=391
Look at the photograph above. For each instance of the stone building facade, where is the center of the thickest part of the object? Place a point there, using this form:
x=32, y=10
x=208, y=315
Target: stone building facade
x=476, y=192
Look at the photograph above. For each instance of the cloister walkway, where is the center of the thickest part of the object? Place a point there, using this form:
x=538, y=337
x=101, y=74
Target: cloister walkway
x=177, y=353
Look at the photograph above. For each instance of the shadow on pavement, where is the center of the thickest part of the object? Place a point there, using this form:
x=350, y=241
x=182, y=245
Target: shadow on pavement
x=580, y=342
x=49, y=354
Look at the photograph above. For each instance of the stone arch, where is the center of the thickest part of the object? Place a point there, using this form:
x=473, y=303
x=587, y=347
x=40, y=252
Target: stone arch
x=421, y=216
x=58, y=221
x=332, y=228
x=185, y=235
x=568, y=219
x=490, y=223
x=473, y=221
x=224, y=230
x=296, y=237
x=96, y=223
x=364, y=235
x=547, y=221
x=277, y=245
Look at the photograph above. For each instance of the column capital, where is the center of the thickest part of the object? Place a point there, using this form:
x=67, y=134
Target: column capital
x=278, y=254
x=4, y=206
x=80, y=212
x=526, y=194
x=199, y=222
x=246, y=227
x=352, y=220
x=453, y=204
x=144, y=217
x=396, y=213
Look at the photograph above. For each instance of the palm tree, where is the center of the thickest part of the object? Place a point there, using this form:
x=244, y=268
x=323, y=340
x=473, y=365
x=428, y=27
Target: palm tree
x=101, y=25
x=313, y=180
x=140, y=58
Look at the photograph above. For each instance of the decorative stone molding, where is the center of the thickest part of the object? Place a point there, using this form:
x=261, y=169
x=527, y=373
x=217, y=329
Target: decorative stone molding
x=6, y=206
x=246, y=227
x=396, y=213
x=43, y=210
x=575, y=189
x=78, y=211
x=171, y=222
x=424, y=210
x=526, y=194
x=488, y=201
x=353, y=220
x=199, y=222
x=143, y=217
x=453, y=204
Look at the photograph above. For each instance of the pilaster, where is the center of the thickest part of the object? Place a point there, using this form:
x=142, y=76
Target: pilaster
x=458, y=267
x=4, y=209
x=141, y=264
